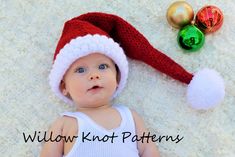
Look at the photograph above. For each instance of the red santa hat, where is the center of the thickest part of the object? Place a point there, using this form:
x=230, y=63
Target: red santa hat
x=114, y=37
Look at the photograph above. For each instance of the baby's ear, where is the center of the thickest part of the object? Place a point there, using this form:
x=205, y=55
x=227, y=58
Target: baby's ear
x=118, y=75
x=63, y=88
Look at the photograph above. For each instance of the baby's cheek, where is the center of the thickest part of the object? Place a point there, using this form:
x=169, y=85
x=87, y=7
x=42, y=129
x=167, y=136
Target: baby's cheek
x=112, y=83
x=79, y=86
x=79, y=96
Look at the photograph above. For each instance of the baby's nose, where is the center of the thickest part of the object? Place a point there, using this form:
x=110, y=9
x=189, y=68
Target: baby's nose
x=94, y=76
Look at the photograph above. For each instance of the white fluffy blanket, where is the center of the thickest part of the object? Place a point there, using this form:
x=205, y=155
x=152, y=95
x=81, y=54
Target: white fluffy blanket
x=30, y=30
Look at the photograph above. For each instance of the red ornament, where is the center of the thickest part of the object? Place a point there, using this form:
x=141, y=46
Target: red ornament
x=209, y=19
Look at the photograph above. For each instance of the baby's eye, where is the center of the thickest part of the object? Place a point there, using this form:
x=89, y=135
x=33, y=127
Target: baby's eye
x=80, y=70
x=103, y=66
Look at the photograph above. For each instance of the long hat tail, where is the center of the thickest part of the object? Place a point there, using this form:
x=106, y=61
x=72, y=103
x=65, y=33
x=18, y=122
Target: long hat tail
x=135, y=45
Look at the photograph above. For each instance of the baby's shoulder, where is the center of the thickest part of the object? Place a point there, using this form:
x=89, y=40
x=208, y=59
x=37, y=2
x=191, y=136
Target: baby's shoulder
x=57, y=125
x=64, y=124
x=137, y=118
x=70, y=124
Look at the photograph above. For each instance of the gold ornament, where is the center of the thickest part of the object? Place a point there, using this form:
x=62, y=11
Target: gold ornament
x=179, y=14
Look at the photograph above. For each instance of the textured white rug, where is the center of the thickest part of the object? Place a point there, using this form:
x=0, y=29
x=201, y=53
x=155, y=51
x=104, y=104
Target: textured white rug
x=29, y=32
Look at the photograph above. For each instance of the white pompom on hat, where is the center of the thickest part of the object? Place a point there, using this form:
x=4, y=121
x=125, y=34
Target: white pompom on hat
x=206, y=89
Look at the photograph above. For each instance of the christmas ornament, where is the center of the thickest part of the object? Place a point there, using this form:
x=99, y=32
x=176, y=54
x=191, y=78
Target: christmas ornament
x=179, y=14
x=190, y=38
x=209, y=19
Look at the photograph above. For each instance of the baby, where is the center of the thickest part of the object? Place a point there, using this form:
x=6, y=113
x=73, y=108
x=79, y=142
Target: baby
x=90, y=82
x=90, y=68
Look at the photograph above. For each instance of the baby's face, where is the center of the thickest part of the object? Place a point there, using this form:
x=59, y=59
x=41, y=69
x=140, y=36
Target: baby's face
x=90, y=81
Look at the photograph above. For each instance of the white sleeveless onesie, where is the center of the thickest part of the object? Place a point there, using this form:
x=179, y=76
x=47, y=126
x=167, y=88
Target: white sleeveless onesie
x=119, y=146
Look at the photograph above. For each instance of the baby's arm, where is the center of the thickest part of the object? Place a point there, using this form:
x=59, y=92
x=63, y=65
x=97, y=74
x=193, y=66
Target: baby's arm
x=54, y=149
x=145, y=149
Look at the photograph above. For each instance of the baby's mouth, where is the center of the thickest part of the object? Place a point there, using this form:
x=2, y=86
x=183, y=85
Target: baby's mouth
x=94, y=88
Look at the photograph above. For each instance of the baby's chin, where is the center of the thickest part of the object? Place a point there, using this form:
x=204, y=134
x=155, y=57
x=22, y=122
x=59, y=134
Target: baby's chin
x=94, y=103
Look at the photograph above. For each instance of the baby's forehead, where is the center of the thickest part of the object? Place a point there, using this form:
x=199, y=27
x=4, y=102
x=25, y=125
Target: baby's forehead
x=92, y=58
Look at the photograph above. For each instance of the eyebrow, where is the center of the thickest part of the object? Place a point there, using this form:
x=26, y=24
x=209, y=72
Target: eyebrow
x=99, y=60
x=76, y=66
x=102, y=60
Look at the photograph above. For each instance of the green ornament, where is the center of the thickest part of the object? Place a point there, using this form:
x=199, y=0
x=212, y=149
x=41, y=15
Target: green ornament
x=190, y=38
